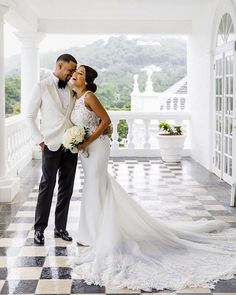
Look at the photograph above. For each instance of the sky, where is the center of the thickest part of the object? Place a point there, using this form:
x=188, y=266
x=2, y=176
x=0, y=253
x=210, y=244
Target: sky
x=58, y=42
x=51, y=42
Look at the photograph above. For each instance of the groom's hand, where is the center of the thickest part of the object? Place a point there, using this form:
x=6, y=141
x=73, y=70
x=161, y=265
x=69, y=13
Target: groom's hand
x=108, y=131
x=42, y=146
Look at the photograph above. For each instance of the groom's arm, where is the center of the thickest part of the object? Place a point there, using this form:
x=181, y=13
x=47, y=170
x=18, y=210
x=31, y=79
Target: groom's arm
x=32, y=110
x=108, y=130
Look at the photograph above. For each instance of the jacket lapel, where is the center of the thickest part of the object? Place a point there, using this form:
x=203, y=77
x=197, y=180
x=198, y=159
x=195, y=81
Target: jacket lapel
x=71, y=103
x=54, y=94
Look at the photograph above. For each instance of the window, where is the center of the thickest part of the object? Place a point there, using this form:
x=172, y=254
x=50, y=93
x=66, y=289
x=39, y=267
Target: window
x=226, y=30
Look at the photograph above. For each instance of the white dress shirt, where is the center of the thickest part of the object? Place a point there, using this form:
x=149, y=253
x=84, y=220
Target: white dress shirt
x=62, y=93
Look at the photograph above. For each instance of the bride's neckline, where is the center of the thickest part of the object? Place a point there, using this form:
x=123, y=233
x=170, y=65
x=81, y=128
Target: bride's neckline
x=78, y=97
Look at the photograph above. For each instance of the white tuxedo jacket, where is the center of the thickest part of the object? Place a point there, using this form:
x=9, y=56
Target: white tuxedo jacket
x=55, y=119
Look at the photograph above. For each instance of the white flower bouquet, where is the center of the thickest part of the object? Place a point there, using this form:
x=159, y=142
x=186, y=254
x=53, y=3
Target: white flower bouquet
x=73, y=137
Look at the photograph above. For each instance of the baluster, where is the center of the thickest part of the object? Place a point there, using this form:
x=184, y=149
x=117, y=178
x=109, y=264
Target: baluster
x=115, y=135
x=12, y=150
x=168, y=104
x=19, y=140
x=130, y=134
x=14, y=147
x=182, y=103
x=22, y=143
x=9, y=152
x=146, y=130
x=175, y=103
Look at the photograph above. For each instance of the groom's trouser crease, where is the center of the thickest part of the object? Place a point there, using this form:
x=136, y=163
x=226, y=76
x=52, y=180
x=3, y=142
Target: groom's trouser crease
x=66, y=163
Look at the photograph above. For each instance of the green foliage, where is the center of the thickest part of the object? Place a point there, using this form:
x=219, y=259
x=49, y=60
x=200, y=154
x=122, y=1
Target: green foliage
x=168, y=129
x=12, y=95
x=116, y=61
x=122, y=130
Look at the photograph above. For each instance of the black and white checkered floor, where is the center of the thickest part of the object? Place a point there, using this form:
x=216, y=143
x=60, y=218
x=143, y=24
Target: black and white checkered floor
x=184, y=191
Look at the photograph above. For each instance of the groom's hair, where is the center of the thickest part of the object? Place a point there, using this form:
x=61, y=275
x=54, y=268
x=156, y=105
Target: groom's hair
x=66, y=57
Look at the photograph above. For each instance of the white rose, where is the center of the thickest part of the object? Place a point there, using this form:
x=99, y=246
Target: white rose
x=73, y=135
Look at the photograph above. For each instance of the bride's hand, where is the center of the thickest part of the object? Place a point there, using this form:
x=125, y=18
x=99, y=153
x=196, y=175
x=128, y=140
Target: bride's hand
x=82, y=147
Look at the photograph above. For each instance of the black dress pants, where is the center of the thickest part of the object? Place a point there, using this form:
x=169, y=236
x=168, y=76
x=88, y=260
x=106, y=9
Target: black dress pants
x=63, y=162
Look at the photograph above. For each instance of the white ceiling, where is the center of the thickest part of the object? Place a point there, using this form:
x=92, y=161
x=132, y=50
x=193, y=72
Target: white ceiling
x=104, y=16
x=73, y=9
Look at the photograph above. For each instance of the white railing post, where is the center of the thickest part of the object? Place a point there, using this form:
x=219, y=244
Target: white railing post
x=146, y=126
x=115, y=135
x=130, y=134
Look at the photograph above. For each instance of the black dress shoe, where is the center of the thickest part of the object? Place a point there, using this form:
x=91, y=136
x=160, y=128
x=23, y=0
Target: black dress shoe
x=81, y=245
x=38, y=237
x=62, y=233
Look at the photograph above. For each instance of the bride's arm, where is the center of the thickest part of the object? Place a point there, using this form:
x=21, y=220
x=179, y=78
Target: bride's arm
x=92, y=103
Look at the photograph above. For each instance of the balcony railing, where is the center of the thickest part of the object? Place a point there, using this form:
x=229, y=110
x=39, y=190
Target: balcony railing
x=173, y=102
x=159, y=101
x=19, y=147
x=141, y=138
x=142, y=132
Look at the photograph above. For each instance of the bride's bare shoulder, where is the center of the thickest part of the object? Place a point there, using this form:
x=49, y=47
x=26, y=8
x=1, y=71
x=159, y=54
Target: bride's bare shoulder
x=91, y=97
x=90, y=94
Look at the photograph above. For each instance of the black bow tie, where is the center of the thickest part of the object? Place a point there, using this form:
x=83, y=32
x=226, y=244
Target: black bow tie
x=61, y=84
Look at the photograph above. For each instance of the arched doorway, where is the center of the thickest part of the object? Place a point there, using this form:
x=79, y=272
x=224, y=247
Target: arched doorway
x=224, y=102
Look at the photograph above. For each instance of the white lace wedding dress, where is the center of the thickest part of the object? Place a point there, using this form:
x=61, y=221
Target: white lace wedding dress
x=129, y=248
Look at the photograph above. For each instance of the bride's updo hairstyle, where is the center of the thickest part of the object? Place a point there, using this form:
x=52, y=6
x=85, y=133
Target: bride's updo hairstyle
x=90, y=76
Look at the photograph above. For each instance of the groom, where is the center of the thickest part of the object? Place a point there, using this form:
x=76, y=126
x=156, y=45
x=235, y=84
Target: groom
x=53, y=98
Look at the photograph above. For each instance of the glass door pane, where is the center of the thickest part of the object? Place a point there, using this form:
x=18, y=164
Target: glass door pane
x=228, y=116
x=217, y=158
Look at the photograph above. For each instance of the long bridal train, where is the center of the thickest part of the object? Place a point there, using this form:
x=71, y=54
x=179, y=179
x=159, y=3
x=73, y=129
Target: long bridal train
x=129, y=248
x=136, y=251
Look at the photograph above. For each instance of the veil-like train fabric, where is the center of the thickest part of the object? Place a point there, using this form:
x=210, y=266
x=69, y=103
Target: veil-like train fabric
x=129, y=248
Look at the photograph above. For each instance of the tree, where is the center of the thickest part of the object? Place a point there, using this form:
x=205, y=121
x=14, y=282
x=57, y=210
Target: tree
x=116, y=61
x=12, y=95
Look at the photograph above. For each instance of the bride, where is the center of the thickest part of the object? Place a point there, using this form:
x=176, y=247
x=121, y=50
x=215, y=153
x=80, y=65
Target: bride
x=126, y=247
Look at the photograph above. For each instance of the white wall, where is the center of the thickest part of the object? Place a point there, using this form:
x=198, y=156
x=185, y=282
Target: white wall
x=200, y=64
x=201, y=46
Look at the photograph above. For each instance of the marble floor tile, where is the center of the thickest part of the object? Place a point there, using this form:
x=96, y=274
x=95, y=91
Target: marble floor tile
x=19, y=287
x=24, y=273
x=79, y=286
x=53, y=287
x=1, y=284
x=194, y=291
x=33, y=251
x=19, y=226
x=58, y=261
x=172, y=192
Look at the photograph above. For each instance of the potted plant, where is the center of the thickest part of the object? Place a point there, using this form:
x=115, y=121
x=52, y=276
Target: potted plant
x=171, y=142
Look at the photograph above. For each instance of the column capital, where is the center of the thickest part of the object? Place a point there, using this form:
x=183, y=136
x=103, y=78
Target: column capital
x=30, y=39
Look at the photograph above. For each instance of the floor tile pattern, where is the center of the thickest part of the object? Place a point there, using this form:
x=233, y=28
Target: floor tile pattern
x=183, y=191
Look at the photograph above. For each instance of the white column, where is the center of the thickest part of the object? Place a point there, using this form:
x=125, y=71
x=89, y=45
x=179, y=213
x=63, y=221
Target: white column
x=9, y=187
x=30, y=67
x=3, y=9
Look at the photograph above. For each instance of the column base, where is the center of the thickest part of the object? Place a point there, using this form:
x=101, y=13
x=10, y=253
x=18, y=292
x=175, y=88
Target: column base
x=9, y=188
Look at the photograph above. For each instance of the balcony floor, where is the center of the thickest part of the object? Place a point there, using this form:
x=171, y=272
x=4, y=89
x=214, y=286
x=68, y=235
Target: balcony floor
x=184, y=191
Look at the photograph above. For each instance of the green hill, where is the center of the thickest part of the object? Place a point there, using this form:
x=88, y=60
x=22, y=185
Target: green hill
x=116, y=61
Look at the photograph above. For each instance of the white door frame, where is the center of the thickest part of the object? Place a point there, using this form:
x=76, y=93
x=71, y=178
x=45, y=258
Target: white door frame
x=222, y=52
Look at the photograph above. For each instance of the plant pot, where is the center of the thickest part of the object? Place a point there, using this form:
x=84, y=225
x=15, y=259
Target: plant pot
x=171, y=147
